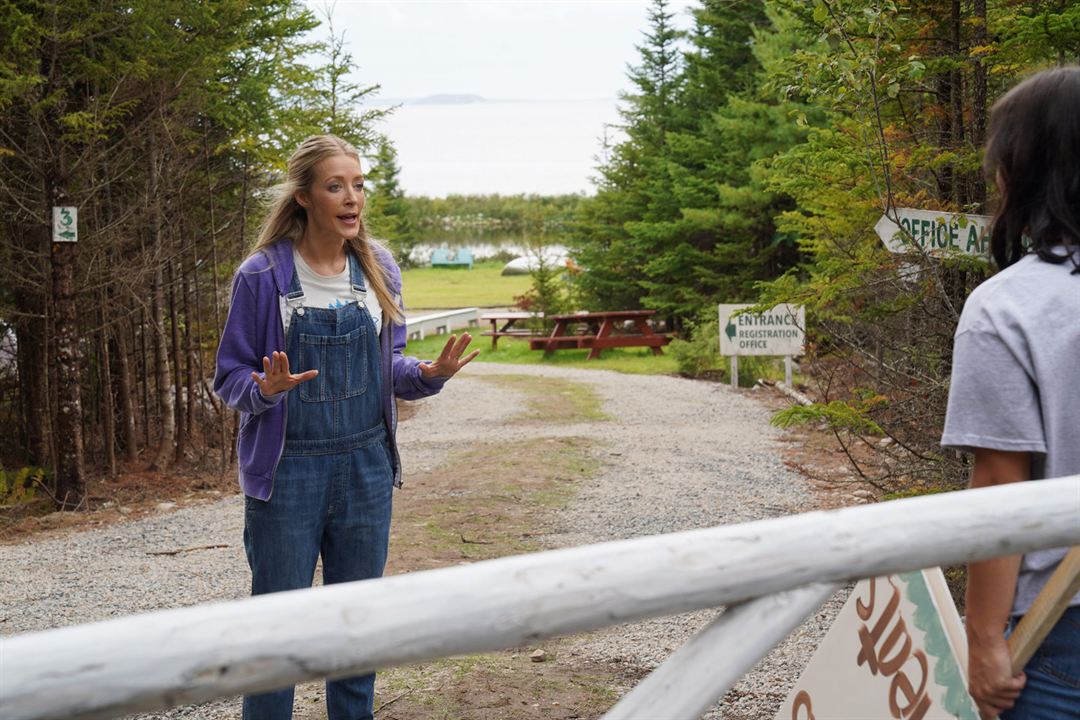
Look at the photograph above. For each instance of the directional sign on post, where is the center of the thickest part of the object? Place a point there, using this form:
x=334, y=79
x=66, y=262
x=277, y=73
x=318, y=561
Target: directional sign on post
x=779, y=331
x=65, y=224
x=934, y=232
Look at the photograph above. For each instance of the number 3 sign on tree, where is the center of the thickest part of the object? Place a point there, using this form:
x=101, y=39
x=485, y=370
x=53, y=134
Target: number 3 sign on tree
x=65, y=224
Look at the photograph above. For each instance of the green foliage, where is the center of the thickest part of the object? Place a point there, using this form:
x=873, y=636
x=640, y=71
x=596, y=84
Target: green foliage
x=19, y=487
x=892, y=118
x=837, y=414
x=548, y=294
x=700, y=354
x=165, y=123
x=387, y=211
x=531, y=214
x=683, y=216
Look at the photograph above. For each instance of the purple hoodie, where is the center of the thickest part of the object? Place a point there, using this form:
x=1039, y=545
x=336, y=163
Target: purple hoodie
x=254, y=330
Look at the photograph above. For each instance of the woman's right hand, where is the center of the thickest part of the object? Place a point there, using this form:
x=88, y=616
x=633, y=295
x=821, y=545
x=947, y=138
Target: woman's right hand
x=276, y=376
x=992, y=685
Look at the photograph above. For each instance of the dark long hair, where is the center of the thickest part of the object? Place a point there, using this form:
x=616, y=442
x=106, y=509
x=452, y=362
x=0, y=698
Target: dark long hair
x=1033, y=153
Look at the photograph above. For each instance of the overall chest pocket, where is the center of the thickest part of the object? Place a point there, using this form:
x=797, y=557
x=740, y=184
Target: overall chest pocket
x=342, y=364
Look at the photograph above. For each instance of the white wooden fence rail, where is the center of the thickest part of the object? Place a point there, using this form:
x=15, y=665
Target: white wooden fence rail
x=196, y=654
x=441, y=323
x=706, y=667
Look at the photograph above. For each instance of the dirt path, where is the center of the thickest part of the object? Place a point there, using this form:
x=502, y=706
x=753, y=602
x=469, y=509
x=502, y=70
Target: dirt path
x=508, y=459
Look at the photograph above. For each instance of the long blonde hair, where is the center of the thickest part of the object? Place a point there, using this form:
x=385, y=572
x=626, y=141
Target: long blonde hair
x=288, y=219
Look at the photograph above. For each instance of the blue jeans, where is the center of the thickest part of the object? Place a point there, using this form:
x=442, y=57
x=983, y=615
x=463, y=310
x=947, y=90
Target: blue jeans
x=336, y=506
x=1053, y=675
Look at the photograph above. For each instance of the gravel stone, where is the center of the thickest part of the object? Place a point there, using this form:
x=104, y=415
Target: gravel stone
x=676, y=454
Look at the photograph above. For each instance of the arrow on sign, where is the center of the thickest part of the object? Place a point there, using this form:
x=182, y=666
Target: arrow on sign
x=730, y=330
x=934, y=232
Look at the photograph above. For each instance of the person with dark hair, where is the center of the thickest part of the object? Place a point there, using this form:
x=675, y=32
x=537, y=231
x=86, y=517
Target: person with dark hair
x=1014, y=400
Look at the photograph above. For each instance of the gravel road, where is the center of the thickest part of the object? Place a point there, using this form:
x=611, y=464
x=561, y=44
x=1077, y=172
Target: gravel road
x=675, y=454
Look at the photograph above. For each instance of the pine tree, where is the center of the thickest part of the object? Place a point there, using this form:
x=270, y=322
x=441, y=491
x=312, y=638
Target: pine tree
x=631, y=182
x=388, y=213
x=720, y=239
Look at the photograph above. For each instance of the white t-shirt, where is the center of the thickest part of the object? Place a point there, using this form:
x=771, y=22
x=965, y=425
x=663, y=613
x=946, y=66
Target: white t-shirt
x=1016, y=383
x=329, y=291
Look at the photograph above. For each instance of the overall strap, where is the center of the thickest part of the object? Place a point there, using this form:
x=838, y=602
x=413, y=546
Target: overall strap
x=294, y=299
x=356, y=276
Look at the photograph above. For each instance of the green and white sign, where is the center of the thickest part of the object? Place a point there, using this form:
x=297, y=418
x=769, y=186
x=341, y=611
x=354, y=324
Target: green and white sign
x=934, y=232
x=65, y=224
x=779, y=331
x=896, y=651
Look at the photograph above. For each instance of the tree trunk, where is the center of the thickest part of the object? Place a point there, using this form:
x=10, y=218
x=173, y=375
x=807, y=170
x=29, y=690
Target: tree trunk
x=127, y=397
x=177, y=367
x=31, y=333
x=189, y=352
x=70, y=481
x=161, y=350
x=109, y=411
x=144, y=378
x=225, y=453
x=233, y=436
x=961, y=190
x=978, y=134
x=161, y=373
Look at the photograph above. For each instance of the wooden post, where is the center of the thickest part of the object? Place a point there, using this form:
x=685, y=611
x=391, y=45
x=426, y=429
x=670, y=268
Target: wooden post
x=1049, y=606
x=734, y=371
x=787, y=370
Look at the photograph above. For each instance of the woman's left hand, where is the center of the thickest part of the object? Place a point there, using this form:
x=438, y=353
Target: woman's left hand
x=450, y=360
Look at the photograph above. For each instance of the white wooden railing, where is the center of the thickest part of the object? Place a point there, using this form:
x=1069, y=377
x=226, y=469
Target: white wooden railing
x=774, y=572
x=441, y=322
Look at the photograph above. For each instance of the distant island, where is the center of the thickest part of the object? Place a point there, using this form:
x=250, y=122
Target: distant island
x=447, y=100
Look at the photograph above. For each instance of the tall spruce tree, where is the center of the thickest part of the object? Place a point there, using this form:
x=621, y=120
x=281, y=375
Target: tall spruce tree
x=387, y=210
x=631, y=183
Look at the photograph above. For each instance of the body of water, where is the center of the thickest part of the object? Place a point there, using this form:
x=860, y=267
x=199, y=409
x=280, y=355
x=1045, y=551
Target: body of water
x=505, y=147
x=486, y=246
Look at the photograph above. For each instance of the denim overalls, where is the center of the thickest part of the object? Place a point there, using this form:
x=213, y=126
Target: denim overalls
x=333, y=484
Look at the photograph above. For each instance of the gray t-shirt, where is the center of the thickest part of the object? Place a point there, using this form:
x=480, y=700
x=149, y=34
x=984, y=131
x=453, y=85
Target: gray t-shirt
x=1016, y=383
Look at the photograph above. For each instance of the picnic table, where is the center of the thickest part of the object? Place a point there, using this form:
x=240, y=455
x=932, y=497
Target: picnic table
x=508, y=320
x=600, y=334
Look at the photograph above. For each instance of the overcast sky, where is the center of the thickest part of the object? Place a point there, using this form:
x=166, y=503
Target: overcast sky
x=498, y=49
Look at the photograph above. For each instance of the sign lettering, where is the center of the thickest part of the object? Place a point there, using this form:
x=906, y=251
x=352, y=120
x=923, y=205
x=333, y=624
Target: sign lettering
x=906, y=230
x=892, y=655
x=780, y=330
x=802, y=702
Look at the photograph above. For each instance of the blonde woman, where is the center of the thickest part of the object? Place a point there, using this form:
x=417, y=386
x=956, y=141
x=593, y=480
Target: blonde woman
x=312, y=357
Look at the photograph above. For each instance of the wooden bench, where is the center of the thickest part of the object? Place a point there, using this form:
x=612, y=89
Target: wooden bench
x=601, y=334
x=508, y=330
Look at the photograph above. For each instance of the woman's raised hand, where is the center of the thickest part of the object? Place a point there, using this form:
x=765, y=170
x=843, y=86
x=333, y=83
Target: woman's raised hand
x=450, y=360
x=277, y=377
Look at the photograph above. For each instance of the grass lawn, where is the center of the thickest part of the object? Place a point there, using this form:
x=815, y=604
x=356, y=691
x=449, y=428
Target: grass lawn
x=483, y=286
x=637, y=361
